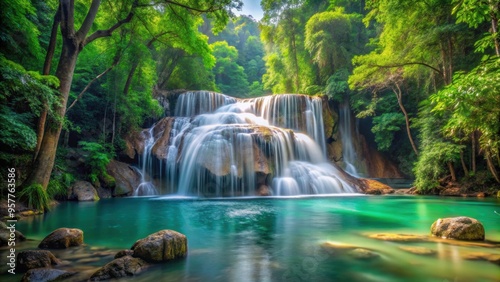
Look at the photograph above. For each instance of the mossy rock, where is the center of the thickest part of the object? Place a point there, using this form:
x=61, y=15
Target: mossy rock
x=161, y=246
x=459, y=228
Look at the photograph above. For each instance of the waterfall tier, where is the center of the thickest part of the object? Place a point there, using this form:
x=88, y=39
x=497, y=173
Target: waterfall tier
x=222, y=146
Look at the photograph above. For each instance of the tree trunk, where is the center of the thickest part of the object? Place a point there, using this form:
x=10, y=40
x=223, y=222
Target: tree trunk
x=473, y=155
x=492, y=168
x=45, y=161
x=464, y=166
x=407, y=119
x=452, y=171
x=46, y=71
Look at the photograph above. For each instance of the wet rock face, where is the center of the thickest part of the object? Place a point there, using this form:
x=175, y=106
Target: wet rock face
x=35, y=259
x=62, y=238
x=161, y=246
x=459, y=228
x=119, y=268
x=126, y=178
x=83, y=191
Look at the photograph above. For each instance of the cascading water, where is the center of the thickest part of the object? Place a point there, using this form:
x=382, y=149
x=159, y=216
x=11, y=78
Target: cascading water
x=221, y=146
x=345, y=128
x=146, y=188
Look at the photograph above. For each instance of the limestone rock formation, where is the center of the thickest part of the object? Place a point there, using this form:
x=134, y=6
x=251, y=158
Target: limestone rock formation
x=62, y=238
x=460, y=228
x=126, y=178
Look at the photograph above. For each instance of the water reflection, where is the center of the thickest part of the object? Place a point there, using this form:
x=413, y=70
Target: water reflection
x=281, y=239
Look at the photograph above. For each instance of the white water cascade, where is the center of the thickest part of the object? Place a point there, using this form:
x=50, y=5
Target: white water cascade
x=346, y=134
x=219, y=146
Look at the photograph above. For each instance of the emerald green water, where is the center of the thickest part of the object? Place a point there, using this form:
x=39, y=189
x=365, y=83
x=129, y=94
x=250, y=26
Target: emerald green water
x=278, y=239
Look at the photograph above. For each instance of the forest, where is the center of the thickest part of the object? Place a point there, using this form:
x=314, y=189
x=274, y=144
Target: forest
x=82, y=75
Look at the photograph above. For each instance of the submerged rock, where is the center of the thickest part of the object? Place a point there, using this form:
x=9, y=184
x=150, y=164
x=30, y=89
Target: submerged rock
x=82, y=191
x=62, y=238
x=460, y=228
x=45, y=275
x=363, y=254
x=126, y=266
x=418, y=250
x=124, y=253
x=161, y=246
x=27, y=260
x=493, y=258
x=398, y=237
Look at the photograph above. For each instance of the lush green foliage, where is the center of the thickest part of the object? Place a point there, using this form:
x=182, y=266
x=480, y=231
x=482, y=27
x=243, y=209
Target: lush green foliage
x=36, y=197
x=97, y=158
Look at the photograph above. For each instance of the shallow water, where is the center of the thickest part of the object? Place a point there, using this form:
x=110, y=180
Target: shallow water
x=277, y=239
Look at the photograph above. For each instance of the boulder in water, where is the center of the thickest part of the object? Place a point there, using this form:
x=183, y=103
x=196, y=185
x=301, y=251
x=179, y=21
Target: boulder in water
x=62, y=238
x=161, y=246
x=374, y=187
x=460, y=228
x=83, y=191
x=46, y=274
x=35, y=259
x=126, y=266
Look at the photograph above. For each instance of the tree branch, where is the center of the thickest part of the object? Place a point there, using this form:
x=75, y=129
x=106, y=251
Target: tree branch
x=108, y=32
x=210, y=9
x=67, y=8
x=408, y=64
x=115, y=62
x=89, y=19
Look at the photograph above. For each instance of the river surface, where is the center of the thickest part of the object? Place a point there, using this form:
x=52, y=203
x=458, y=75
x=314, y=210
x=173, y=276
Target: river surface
x=280, y=239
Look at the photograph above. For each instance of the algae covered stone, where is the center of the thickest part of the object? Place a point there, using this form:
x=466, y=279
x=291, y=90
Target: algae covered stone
x=459, y=228
x=161, y=246
x=62, y=238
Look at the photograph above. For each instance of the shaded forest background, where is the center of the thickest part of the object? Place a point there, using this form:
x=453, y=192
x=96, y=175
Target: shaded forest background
x=424, y=74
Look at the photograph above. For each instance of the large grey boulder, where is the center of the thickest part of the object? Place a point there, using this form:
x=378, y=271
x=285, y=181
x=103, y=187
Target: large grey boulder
x=161, y=246
x=83, y=191
x=460, y=228
x=62, y=238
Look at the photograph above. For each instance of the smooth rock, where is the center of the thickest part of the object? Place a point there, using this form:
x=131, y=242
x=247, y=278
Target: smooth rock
x=83, y=191
x=374, y=187
x=161, y=246
x=45, y=275
x=27, y=260
x=126, y=178
x=126, y=266
x=459, y=228
x=62, y=238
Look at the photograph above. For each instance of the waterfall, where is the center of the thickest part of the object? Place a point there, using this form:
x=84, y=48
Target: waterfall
x=146, y=188
x=346, y=134
x=219, y=146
